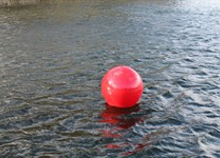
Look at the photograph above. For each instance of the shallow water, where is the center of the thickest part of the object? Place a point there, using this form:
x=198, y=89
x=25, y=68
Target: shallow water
x=53, y=56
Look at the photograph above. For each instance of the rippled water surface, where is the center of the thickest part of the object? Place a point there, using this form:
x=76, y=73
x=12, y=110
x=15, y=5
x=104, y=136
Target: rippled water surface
x=53, y=56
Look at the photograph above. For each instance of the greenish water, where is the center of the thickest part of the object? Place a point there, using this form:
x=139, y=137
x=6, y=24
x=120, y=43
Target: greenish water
x=53, y=56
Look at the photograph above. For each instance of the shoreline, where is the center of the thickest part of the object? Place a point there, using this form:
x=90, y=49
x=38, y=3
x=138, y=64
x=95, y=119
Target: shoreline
x=15, y=3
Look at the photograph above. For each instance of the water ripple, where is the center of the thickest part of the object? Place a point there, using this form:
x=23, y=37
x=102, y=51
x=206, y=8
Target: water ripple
x=52, y=60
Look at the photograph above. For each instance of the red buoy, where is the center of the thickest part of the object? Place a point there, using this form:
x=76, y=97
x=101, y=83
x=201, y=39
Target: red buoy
x=122, y=87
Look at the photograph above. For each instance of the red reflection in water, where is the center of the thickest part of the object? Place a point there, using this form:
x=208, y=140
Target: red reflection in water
x=122, y=120
x=119, y=117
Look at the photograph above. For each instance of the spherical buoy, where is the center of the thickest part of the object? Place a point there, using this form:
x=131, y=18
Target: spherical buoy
x=122, y=87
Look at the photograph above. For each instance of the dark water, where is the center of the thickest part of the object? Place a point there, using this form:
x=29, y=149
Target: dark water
x=52, y=60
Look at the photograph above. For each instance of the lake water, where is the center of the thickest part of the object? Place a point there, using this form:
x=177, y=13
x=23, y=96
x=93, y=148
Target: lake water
x=53, y=56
